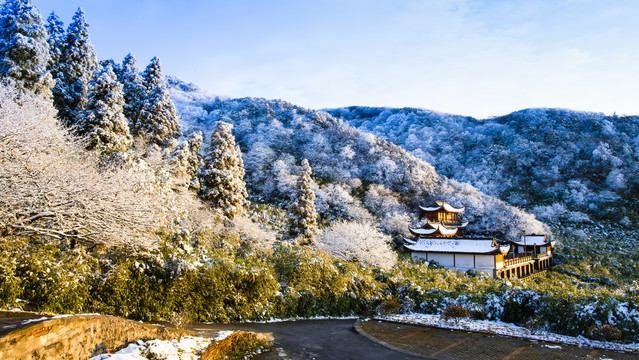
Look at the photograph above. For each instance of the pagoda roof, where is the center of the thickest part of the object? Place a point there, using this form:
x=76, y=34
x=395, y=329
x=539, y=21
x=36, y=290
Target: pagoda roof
x=438, y=205
x=530, y=240
x=458, y=246
x=435, y=228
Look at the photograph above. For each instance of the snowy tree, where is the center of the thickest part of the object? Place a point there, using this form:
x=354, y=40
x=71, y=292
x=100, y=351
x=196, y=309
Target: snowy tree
x=222, y=175
x=24, y=51
x=158, y=119
x=55, y=29
x=134, y=91
x=78, y=62
x=152, y=75
x=358, y=241
x=186, y=160
x=54, y=190
x=104, y=123
x=302, y=213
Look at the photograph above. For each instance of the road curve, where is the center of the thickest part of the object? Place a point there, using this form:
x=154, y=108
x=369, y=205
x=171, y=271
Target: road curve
x=313, y=339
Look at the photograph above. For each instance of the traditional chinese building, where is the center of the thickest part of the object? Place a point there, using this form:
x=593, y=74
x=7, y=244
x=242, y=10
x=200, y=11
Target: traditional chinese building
x=440, y=240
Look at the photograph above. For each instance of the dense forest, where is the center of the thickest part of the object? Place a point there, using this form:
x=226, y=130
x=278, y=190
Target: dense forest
x=126, y=192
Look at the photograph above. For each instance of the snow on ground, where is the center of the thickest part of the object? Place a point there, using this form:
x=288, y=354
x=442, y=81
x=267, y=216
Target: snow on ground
x=186, y=348
x=501, y=328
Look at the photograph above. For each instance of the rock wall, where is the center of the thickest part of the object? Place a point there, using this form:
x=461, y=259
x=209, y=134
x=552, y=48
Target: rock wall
x=78, y=337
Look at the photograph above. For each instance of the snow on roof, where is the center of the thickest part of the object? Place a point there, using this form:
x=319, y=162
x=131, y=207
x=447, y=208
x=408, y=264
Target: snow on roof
x=435, y=227
x=410, y=241
x=466, y=246
x=539, y=240
x=438, y=205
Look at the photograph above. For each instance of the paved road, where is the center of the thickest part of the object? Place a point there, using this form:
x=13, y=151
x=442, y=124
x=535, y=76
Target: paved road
x=313, y=339
x=336, y=339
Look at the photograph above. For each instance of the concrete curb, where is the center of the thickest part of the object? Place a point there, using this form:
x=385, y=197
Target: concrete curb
x=358, y=329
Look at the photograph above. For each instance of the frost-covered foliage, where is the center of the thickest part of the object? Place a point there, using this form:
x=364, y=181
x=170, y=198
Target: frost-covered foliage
x=24, y=50
x=537, y=157
x=222, y=175
x=186, y=162
x=55, y=30
x=275, y=135
x=104, y=124
x=302, y=214
x=158, y=121
x=74, y=72
x=359, y=242
x=134, y=91
x=50, y=186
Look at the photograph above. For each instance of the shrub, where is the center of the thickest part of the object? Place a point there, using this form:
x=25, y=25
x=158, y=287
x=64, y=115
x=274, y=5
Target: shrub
x=604, y=333
x=238, y=345
x=388, y=307
x=54, y=279
x=10, y=284
x=455, y=312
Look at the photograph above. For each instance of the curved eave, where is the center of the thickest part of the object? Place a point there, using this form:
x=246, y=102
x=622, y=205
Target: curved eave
x=422, y=231
x=409, y=241
x=504, y=249
x=445, y=206
x=447, y=231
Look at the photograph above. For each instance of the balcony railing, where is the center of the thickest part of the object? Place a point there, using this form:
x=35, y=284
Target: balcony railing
x=517, y=260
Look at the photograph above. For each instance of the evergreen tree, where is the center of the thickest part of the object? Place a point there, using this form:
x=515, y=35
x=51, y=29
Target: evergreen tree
x=152, y=75
x=302, y=213
x=222, y=176
x=158, y=119
x=186, y=158
x=24, y=51
x=77, y=64
x=104, y=123
x=55, y=29
x=134, y=91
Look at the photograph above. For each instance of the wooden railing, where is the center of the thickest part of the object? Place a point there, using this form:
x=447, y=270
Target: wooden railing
x=517, y=260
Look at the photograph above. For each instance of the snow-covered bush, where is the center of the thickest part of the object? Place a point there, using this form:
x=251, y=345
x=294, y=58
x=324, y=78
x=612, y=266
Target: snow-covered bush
x=354, y=241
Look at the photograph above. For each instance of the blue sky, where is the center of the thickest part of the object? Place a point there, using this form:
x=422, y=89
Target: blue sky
x=471, y=57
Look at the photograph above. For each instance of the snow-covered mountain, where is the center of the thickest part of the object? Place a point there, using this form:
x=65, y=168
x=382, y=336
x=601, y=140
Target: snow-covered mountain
x=563, y=165
x=359, y=175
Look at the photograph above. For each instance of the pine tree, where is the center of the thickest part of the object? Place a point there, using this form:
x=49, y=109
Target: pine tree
x=24, y=51
x=55, y=29
x=158, y=121
x=186, y=159
x=77, y=65
x=302, y=213
x=134, y=91
x=104, y=123
x=152, y=75
x=222, y=176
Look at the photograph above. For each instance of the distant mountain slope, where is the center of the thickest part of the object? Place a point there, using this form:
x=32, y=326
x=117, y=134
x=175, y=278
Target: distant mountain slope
x=565, y=165
x=359, y=175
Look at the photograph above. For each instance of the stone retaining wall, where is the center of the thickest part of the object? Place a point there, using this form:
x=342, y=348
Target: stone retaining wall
x=78, y=337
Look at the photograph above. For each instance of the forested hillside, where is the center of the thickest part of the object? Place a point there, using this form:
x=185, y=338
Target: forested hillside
x=360, y=177
x=562, y=165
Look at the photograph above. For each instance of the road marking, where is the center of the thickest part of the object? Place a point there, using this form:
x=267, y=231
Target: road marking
x=448, y=347
x=517, y=351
